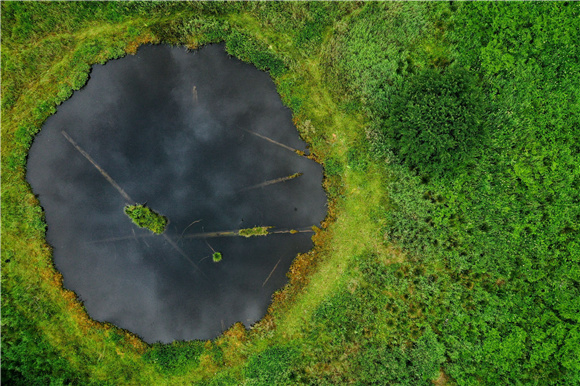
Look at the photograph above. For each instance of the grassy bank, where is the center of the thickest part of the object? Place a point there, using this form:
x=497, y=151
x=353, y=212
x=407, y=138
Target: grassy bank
x=450, y=257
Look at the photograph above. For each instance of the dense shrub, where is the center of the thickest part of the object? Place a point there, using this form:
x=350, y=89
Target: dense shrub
x=487, y=127
x=435, y=124
x=273, y=366
x=27, y=357
x=416, y=365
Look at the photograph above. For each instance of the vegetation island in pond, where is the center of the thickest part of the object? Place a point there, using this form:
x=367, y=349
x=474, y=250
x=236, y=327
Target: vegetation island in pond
x=255, y=231
x=217, y=257
x=146, y=218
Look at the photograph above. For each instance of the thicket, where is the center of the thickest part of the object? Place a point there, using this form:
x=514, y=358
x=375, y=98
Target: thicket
x=449, y=136
x=435, y=122
x=486, y=195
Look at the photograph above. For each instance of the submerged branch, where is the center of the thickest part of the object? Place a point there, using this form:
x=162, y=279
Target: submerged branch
x=246, y=232
x=203, y=235
x=271, y=272
x=122, y=238
x=296, y=151
x=187, y=227
x=271, y=182
x=180, y=251
x=294, y=231
x=100, y=169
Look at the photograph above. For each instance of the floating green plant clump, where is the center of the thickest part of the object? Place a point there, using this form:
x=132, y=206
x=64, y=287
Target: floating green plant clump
x=255, y=231
x=217, y=257
x=146, y=218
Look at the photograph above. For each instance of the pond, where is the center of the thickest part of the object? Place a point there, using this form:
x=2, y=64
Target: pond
x=202, y=139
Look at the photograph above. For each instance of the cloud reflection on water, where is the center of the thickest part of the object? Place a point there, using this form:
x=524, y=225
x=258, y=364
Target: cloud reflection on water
x=138, y=119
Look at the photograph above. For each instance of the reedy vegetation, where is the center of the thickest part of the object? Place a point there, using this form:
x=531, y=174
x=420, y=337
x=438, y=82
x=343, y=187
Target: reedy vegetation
x=449, y=136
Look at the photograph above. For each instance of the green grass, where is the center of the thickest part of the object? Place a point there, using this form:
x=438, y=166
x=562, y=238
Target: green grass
x=147, y=218
x=459, y=268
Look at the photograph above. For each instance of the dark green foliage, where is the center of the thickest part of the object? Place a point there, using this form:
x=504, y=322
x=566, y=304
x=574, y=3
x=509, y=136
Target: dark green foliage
x=343, y=316
x=224, y=379
x=175, y=31
x=217, y=257
x=144, y=217
x=379, y=324
x=504, y=206
x=435, y=123
x=333, y=170
x=273, y=366
x=213, y=30
x=27, y=358
x=416, y=365
x=249, y=50
x=318, y=19
x=175, y=358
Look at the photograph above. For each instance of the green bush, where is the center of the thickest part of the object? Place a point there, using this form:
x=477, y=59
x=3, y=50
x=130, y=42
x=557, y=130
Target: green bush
x=436, y=123
x=144, y=217
x=273, y=366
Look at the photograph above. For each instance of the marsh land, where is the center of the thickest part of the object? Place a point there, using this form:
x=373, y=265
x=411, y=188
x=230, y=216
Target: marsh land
x=448, y=135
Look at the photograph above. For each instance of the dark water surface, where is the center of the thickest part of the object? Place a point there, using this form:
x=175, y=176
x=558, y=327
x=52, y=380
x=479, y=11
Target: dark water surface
x=185, y=153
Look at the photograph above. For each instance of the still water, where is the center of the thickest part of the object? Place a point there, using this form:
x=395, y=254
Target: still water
x=175, y=130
